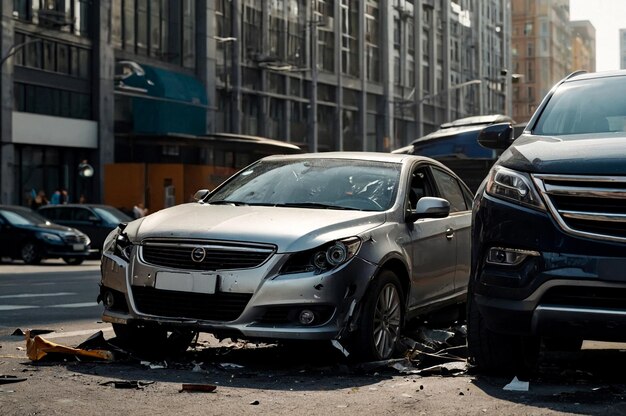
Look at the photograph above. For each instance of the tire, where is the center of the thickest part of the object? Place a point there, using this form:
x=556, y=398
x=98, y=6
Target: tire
x=73, y=261
x=153, y=341
x=381, y=319
x=495, y=353
x=31, y=253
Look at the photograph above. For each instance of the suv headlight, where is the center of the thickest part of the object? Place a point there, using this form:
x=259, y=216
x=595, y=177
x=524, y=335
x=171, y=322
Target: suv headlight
x=323, y=258
x=513, y=186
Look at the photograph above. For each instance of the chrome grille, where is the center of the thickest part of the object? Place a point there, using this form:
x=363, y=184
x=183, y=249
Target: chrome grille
x=218, y=255
x=590, y=206
x=75, y=239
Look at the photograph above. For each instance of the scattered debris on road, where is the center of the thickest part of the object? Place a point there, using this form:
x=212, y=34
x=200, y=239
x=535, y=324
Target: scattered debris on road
x=199, y=388
x=7, y=379
x=37, y=348
x=127, y=384
x=517, y=385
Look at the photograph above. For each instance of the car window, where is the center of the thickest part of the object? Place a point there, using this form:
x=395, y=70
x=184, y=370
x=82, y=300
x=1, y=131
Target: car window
x=23, y=217
x=421, y=186
x=81, y=214
x=111, y=215
x=51, y=213
x=585, y=106
x=450, y=190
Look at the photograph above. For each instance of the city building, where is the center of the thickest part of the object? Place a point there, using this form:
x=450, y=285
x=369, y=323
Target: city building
x=136, y=87
x=547, y=47
x=541, y=51
x=622, y=48
x=583, y=45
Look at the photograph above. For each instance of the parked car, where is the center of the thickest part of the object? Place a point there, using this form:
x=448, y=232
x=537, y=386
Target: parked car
x=26, y=235
x=455, y=145
x=549, y=228
x=343, y=246
x=96, y=221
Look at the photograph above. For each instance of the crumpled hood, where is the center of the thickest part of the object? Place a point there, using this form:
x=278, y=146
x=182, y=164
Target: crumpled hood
x=290, y=229
x=597, y=154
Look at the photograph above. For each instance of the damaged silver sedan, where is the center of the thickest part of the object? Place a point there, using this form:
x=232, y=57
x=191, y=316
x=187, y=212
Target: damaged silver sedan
x=330, y=246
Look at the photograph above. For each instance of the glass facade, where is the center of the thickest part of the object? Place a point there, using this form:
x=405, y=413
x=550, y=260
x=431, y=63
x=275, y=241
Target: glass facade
x=159, y=29
x=70, y=16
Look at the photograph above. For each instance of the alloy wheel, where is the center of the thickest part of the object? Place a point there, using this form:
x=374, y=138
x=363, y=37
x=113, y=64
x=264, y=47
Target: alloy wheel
x=387, y=317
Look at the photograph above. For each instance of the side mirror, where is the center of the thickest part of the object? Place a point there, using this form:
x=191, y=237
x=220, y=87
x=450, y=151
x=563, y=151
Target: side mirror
x=429, y=207
x=496, y=136
x=201, y=194
x=94, y=219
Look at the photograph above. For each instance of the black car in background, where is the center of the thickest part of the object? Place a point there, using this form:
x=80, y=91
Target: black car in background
x=26, y=235
x=97, y=221
x=455, y=145
x=549, y=228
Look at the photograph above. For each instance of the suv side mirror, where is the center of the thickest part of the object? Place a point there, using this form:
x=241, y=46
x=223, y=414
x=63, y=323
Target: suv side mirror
x=94, y=219
x=201, y=194
x=497, y=136
x=429, y=207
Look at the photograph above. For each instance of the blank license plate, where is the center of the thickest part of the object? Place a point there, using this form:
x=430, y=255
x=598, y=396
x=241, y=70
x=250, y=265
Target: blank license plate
x=79, y=247
x=187, y=282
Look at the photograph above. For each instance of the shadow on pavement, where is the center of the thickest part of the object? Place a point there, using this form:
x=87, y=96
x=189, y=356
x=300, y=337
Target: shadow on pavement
x=584, y=382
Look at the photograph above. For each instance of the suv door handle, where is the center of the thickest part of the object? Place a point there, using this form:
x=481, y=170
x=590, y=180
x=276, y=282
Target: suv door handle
x=449, y=233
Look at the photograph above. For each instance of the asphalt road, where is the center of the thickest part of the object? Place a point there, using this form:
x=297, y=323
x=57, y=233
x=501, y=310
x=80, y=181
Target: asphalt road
x=259, y=379
x=48, y=295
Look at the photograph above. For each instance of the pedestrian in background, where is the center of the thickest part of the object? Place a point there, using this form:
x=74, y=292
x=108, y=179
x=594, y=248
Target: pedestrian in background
x=39, y=200
x=60, y=196
x=139, y=210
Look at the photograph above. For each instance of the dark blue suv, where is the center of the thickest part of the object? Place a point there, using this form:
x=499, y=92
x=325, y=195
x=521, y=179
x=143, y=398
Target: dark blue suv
x=549, y=228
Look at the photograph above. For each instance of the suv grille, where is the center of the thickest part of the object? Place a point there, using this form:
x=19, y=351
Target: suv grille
x=221, y=306
x=207, y=255
x=591, y=206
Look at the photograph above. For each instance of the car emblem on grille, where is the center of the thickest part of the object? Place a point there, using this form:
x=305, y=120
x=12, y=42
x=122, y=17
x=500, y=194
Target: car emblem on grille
x=198, y=254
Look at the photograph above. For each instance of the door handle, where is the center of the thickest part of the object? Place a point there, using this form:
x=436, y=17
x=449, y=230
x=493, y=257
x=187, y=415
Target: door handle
x=449, y=233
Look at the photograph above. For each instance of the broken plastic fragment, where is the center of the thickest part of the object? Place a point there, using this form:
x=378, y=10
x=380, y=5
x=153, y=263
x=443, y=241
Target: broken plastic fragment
x=229, y=366
x=340, y=347
x=6, y=379
x=517, y=385
x=128, y=384
x=38, y=347
x=205, y=388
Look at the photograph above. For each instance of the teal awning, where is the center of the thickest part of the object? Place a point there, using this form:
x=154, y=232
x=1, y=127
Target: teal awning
x=172, y=103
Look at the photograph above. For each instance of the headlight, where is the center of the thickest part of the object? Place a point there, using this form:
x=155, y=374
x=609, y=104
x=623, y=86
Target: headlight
x=513, y=186
x=51, y=238
x=323, y=258
x=117, y=243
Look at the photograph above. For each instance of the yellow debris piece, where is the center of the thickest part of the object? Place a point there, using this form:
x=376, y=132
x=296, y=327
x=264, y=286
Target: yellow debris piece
x=38, y=347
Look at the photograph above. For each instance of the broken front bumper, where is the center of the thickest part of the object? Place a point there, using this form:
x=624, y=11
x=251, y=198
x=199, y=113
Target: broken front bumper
x=247, y=303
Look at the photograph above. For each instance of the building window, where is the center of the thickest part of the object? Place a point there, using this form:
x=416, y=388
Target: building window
x=51, y=101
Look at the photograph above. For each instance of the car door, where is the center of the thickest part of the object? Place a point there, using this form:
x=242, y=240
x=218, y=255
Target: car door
x=433, y=252
x=88, y=222
x=458, y=222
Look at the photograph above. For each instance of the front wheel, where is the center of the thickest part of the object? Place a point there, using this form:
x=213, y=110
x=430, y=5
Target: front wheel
x=31, y=253
x=496, y=353
x=381, y=319
x=154, y=340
